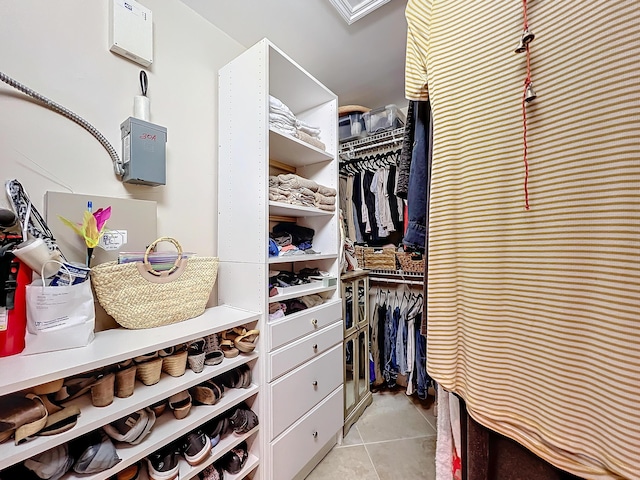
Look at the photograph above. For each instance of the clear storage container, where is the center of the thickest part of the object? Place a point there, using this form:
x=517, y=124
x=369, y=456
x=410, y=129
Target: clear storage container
x=351, y=127
x=384, y=118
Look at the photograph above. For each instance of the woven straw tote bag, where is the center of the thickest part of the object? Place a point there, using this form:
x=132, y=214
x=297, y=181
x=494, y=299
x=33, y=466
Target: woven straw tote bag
x=137, y=296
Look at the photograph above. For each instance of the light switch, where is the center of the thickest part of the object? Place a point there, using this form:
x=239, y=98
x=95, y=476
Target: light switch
x=131, y=31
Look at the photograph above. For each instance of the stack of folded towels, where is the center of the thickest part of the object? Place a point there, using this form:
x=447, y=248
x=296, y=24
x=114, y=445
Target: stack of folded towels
x=281, y=118
x=293, y=189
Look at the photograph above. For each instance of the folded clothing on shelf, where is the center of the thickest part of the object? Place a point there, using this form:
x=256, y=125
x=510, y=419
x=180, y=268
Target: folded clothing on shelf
x=291, y=239
x=281, y=118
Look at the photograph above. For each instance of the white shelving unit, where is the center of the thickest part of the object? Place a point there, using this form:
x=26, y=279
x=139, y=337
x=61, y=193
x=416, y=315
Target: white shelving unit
x=250, y=151
x=21, y=372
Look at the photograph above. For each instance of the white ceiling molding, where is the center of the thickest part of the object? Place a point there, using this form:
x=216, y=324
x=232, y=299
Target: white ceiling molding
x=352, y=10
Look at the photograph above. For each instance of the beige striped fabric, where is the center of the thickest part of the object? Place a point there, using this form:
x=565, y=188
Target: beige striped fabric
x=534, y=315
x=417, y=13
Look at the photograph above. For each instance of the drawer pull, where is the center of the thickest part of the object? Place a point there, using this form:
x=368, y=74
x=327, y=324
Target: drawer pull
x=314, y=322
x=314, y=383
x=315, y=434
x=315, y=346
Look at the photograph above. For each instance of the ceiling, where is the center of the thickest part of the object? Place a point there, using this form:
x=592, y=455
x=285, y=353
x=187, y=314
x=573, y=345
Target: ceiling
x=363, y=63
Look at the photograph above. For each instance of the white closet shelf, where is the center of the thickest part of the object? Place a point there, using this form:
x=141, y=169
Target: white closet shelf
x=113, y=346
x=288, y=210
x=92, y=417
x=294, y=152
x=301, y=258
x=300, y=290
x=225, y=445
x=166, y=429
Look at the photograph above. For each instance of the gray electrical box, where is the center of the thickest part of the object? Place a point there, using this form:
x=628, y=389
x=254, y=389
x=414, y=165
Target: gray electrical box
x=143, y=152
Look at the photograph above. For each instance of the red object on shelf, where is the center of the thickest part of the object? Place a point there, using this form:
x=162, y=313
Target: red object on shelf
x=12, y=337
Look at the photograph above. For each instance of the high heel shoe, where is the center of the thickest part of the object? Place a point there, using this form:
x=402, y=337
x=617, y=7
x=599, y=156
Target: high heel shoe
x=174, y=361
x=103, y=389
x=125, y=379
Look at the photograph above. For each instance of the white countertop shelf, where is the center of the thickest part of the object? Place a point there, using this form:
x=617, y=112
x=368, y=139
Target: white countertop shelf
x=92, y=417
x=294, y=152
x=113, y=346
x=301, y=258
x=289, y=210
x=300, y=291
x=166, y=429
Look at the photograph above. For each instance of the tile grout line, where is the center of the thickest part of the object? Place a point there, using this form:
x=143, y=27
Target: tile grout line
x=399, y=439
x=369, y=455
x=424, y=416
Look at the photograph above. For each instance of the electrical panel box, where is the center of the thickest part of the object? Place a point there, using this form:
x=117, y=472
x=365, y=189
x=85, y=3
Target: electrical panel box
x=131, y=31
x=143, y=152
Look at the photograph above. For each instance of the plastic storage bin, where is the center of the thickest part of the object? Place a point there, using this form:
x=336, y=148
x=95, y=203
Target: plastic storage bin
x=381, y=119
x=351, y=127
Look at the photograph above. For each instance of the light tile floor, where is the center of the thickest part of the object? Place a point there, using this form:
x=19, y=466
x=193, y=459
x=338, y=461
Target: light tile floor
x=394, y=439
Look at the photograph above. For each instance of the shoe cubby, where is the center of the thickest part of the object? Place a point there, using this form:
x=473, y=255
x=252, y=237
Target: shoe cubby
x=111, y=347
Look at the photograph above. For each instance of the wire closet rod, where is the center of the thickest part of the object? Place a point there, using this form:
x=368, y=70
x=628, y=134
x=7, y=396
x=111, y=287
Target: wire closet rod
x=393, y=280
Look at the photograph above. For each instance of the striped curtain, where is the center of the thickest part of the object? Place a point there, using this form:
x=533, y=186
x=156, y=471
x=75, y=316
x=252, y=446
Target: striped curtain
x=534, y=314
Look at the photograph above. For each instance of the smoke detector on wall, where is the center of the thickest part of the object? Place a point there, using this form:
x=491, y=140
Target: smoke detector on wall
x=352, y=10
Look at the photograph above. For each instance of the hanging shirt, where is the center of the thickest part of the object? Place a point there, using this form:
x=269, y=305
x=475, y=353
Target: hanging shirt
x=418, y=13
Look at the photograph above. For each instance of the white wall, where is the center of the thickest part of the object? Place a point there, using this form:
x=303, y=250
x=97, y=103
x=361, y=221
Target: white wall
x=60, y=49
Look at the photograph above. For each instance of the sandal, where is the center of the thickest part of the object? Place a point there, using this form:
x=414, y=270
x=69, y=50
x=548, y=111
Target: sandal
x=180, y=403
x=228, y=349
x=60, y=421
x=246, y=342
x=174, y=361
x=125, y=379
x=213, y=353
x=103, y=389
x=21, y=416
x=196, y=358
x=207, y=393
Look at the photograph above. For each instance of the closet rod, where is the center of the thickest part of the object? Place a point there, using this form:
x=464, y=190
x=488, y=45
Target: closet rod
x=394, y=280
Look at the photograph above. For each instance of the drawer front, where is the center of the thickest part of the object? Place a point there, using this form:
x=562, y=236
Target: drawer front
x=290, y=356
x=299, y=391
x=291, y=452
x=304, y=323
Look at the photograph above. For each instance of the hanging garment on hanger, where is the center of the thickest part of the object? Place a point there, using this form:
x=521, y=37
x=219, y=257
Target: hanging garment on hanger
x=401, y=343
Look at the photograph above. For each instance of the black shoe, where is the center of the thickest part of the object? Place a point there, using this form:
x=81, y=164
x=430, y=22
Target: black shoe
x=212, y=472
x=163, y=464
x=233, y=461
x=195, y=447
x=243, y=419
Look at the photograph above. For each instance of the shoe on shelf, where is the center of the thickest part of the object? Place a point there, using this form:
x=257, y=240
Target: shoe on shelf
x=207, y=393
x=243, y=420
x=234, y=460
x=163, y=464
x=133, y=428
x=125, y=379
x=52, y=464
x=229, y=350
x=212, y=472
x=132, y=472
x=180, y=403
x=196, y=354
x=195, y=447
x=246, y=342
x=213, y=353
x=94, y=452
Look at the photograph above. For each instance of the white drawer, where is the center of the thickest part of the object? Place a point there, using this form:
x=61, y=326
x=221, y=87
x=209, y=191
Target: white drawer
x=290, y=356
x=304, y=323
x=293, y=450
x=299, y=391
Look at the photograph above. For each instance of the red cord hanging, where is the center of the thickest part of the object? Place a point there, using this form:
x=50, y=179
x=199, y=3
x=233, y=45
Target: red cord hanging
x=527, y=96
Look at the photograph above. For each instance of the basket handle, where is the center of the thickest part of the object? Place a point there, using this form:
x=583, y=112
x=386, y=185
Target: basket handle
x=178, y=263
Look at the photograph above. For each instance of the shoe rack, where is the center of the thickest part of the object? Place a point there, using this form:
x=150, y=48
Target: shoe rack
x=114, y=346
x=301, y=359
